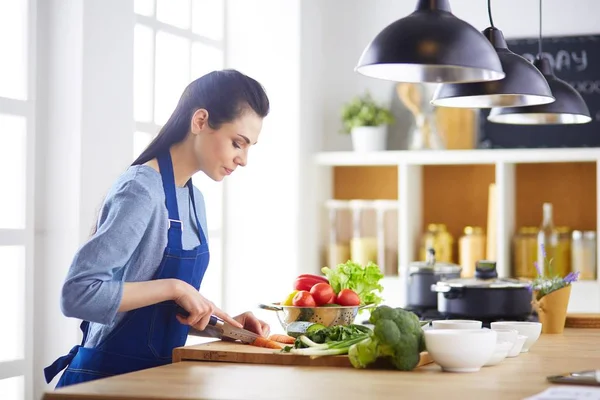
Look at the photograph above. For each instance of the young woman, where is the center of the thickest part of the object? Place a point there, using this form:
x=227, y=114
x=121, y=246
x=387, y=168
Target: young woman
x=148, y=254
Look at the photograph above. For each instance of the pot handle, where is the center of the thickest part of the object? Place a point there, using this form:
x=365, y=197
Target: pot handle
x=270, y=307
x=449, y=292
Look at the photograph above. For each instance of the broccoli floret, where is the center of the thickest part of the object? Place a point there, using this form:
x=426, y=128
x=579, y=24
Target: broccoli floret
x=397, y=338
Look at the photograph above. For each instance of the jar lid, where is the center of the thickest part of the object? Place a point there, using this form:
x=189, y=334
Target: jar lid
x=473, y=230
x=588, y=235
x=528, y=230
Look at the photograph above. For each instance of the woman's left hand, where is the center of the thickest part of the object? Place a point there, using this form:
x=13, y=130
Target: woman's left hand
x=253, y=324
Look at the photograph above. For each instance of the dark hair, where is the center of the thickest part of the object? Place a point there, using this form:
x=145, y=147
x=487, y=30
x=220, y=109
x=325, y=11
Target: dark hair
x=225, y=94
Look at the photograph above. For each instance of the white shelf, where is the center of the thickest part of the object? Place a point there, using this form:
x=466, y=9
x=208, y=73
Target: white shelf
x=586, y=295
x=441, y=157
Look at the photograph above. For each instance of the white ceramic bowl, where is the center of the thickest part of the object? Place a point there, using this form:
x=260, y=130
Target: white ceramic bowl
x=530, y=329
x=516, y=349
x=507, y=335
x=456, y=324
x=500, y=353
x=460, y=350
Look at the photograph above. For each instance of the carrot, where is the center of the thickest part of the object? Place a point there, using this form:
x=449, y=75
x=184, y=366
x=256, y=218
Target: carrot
x=269, y=344
x=276, y=337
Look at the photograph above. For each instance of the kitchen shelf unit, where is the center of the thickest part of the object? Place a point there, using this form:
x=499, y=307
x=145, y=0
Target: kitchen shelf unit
x=400, y=175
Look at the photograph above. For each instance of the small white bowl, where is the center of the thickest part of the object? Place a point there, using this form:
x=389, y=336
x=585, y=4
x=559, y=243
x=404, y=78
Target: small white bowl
x=530, y=329
x=456, y=324
x=460, y=350
x=516, y=349
x=500, y=353
x=507, y=335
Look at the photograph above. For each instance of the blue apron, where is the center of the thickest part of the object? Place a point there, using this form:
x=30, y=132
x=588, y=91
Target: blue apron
x=145, y=337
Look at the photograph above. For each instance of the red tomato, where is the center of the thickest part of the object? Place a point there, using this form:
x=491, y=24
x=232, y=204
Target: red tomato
x=347, y=297
x=322, y=293
x=306, y=282
x=303, y=299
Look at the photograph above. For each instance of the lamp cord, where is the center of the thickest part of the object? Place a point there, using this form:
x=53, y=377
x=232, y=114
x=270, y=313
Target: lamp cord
x=540, y=38
x=490, y=13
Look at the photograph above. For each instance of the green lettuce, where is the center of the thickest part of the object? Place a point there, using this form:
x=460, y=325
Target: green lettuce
x=364, y=280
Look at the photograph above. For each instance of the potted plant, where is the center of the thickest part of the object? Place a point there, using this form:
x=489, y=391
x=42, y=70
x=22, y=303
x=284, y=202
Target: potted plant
x=551, y=295
x=366, y=122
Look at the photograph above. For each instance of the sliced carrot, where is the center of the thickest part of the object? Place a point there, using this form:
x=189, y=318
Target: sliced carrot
x=277, y=337
x=269, y=344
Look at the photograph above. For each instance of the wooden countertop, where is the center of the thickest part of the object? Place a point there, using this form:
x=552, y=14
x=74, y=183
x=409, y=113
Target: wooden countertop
x=514, y=378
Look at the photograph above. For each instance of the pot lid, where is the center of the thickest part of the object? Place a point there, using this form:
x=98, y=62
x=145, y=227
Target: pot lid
x=496, y=283
x=431, y=266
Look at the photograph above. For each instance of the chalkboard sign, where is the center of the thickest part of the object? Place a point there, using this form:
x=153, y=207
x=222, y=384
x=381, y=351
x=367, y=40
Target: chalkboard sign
x=576, y=60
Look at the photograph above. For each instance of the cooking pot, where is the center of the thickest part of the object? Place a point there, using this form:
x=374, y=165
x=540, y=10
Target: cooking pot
x=484, y=297
x=422, y=275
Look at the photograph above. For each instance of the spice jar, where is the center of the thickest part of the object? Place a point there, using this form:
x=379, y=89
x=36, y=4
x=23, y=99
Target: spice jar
x=471, y=248
x=525, y=252
x=562, y=262
x=583, y=254
x=439, y=239
x=338, y=249
x=363, y=245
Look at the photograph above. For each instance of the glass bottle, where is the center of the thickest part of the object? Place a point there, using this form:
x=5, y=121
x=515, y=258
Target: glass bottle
x=547, y=243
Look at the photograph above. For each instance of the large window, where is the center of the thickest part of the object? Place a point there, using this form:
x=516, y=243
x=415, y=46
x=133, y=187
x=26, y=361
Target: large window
x=16, y=225
x=177, y=41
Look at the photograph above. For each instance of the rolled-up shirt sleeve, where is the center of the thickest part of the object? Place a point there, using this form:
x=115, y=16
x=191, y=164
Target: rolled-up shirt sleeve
x=93, y=287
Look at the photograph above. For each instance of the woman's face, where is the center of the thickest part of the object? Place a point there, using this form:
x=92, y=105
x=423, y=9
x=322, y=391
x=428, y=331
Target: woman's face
x=220, y=151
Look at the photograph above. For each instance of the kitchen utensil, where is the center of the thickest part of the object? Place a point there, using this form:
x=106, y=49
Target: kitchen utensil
x=456, y=324
x=530, y=329
x=460, y=350
x=227, y=330
x=484, y=297
x=423, y=134
x=424, y=274
x=327, y=316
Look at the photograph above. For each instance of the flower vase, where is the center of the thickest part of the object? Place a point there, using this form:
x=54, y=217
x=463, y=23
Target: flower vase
x=552, y=309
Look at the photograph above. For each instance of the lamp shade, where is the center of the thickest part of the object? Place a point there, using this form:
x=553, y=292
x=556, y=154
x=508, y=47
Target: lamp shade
x=430, y=45
x=523, y=85
x=567, y=108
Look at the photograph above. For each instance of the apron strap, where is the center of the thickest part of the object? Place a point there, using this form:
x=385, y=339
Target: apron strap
x=63, y=362
x=165, y=165
x=200, y=230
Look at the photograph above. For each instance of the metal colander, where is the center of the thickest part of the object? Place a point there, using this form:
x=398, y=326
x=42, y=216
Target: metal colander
x=327, y=316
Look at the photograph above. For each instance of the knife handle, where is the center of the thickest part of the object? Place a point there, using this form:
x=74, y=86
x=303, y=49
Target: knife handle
x=212, y=321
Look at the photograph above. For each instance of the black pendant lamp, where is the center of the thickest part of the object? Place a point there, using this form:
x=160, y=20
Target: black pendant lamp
x=568, y=107
x=523, y=85
x=430, y=45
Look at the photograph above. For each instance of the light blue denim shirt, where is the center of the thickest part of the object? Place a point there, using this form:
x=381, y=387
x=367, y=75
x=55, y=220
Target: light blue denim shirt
x=127, y=247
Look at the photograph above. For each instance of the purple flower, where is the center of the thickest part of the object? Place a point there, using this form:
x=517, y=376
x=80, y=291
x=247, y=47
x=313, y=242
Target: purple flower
x=572, y=277
x=537, y=267
x=543, y=250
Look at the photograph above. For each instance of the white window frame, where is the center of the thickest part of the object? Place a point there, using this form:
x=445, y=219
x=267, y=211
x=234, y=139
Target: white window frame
x=25, y=237
x=153, y=128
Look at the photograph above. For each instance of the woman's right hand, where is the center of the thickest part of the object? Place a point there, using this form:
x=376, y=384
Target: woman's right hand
x=199, y=308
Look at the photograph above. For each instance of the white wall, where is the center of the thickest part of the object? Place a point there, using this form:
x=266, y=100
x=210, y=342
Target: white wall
x=351, y=24
x=261, y=226
x=84, y=140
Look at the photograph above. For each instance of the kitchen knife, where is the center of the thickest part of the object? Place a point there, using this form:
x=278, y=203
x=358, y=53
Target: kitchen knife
x=226, y=329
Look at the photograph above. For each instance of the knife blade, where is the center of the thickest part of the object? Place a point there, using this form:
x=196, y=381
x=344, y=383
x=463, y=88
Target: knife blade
x=226, y=329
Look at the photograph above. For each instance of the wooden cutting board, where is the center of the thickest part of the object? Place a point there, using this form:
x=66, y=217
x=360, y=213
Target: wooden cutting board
x=583, y=321
x=247, y=354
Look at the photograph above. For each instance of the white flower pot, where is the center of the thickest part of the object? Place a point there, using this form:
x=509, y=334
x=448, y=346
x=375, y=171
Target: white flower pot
x=369, y=138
